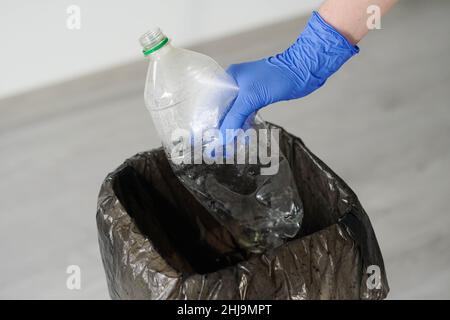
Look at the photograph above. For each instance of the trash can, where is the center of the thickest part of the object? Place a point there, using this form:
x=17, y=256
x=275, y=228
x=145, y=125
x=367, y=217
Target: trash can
x=158, y=242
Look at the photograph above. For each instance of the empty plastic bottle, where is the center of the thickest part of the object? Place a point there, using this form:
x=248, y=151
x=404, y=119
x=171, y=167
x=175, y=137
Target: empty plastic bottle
x=188, y=92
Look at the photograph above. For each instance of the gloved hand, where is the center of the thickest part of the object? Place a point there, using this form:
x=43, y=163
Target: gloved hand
x=319, y=51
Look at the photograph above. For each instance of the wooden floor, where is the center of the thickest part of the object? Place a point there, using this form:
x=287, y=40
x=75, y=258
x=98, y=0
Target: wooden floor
x=382, y=123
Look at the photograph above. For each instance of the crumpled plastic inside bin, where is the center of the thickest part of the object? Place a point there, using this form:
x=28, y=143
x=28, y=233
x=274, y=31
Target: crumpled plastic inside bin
x=158, y=242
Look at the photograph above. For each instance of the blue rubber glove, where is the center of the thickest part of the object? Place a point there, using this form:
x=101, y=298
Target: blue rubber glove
x=319, y=52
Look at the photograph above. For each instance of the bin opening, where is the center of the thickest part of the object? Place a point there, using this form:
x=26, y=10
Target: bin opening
x=186, y=235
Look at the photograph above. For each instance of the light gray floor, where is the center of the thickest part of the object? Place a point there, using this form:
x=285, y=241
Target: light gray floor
x=382, y=123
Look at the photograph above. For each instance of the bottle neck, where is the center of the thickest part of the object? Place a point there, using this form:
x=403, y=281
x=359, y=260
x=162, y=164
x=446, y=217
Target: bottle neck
x=157, y=54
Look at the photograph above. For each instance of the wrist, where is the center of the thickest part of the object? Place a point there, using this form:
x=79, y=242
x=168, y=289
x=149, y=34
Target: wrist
x=318, y=52
x=341, y=40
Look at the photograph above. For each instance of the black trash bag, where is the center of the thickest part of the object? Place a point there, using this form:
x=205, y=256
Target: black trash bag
x=158, y=242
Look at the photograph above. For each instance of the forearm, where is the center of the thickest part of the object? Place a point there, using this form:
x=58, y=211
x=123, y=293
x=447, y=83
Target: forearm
x=349, y=17
x=327, y=42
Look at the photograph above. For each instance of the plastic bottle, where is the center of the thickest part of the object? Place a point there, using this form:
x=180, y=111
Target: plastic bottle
x=187, y=91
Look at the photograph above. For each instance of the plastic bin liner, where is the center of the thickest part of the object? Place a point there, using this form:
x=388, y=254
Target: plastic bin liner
x=158, y=242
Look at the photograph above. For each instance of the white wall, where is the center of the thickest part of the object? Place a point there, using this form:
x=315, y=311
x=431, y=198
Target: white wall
x=37, y=49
